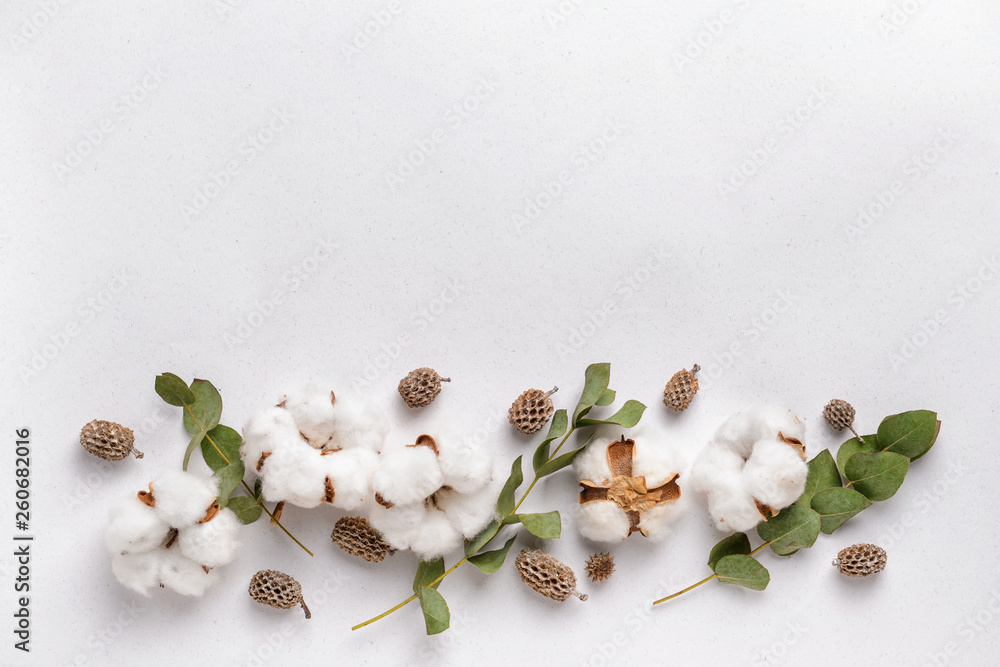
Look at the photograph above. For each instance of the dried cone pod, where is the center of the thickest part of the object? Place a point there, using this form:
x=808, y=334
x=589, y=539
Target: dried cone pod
x=278, y=590
x=840, y=415
x=531, y=410
x=861, y=560
x=547, y=575
x=359, y=538
x=421, y=386
x=681, y=388
x=108, y=440
x=600, y=566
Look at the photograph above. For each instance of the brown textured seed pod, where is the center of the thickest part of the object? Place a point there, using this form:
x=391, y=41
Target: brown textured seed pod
x=278, y=590
x=108, y=440
x=547, y=575
x=681, y=388
x=421, y=386
x=840, y=415
x=359, y=538
x=531, y=410
x=861, y=560
x=600, y=566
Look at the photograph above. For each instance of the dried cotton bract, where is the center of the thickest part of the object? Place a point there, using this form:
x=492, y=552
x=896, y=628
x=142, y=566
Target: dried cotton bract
x=172, y=535
x=433, y=494
x=753, y=467
x=315, y=447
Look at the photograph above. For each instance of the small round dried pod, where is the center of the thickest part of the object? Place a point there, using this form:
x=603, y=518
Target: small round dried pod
x=861, y=560
x=681, y=388
x=356, y=536
x=421, y=386
x=108, y=440
x=547, y=575
x=278, y=590
x=840, y=415
x=600, y=566
x=532, y=409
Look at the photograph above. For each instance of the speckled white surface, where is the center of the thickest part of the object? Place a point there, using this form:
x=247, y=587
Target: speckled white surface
x=261, y=195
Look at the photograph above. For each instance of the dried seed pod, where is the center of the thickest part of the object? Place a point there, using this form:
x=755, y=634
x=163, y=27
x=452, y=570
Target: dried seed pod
x=278, y=590
x=359, y=538
x=840, y=415
x=421, y=386
x=861, y=560
x=108, y=440
x=547, y=575
x=600, y=566
x=531, y=410
x=681, y=388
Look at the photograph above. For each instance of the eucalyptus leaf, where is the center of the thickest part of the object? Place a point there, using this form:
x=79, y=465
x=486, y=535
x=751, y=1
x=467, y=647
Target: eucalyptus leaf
x=173, y=390
x=743, y=571
x=192, y=445
x=505, y=503
x=823, y=474
x=557, y=429
x=794, y=528
x=229, y=479
x=835, y=506
x=547, y=526
x=206, y=411
x=628, y=416
x=911, y=434
x=596, y=379
x=258, y=488
x=737, y=543
x=491, y=561
x=428, y=571
x=878, y=476
x=607, y=398
x=855, y=446
x=437, y=618
x=485, y=535
x=221, y=447
x=246, y=508
x=559, y=462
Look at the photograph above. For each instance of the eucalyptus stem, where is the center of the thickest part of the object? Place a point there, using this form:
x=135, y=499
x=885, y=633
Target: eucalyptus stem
x=705, y=580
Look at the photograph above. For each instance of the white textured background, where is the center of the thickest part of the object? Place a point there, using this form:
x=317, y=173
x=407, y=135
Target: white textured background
x=260, y=194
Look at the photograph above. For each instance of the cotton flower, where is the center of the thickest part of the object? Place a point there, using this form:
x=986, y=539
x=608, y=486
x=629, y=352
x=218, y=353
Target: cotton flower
x=753, y=467
x=315, y=447
x=172, y=535
x=434, y=494
x=629, y=486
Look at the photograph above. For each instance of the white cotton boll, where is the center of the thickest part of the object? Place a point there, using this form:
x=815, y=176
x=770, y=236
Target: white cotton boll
x=657, y=520
x=713, y=461
x=592, y=463
x=436, y=536
x=184, y=576
x=351, y=472
x=212, y=543
x=407, y=474
x=268, y=430
x=602, y=521
x=182, y=498
x=743, y=429
x=358, y=423
x=465, y=466
x=139, y=572
x=775, y=473
x=731, y=504
x=469, y=512
x=399, y=523
x=312, y=409
x=134, y=527
x=294, y=474
x=657, y=463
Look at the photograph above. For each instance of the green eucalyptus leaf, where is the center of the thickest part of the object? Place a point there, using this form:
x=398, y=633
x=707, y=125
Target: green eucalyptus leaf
x=437, y=618
x=823, y=474
x=737, y=543
x=485, y=535
x=855, y=446
x=911, y=434
x=607, y=398
x=628, y=416
x=491, y=561
x=221, y=447
x=559, y=462
x=835, y=506
x=192, y=445
x=206, y=411
x=743, y=571
x=246, y=508
x=878, y=476
x=511, y=519
x=794, y=528
x=229, y=479
x=547, y=526
x=428, y=571
x=596, y=379
x=173, y=390
x=505, y=503
x=258, y=488
x=557, y=429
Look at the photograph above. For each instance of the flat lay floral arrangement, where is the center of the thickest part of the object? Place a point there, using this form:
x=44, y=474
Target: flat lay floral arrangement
x=446, y=498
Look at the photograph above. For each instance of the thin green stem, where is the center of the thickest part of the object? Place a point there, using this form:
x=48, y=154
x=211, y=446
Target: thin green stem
x=706, y=579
